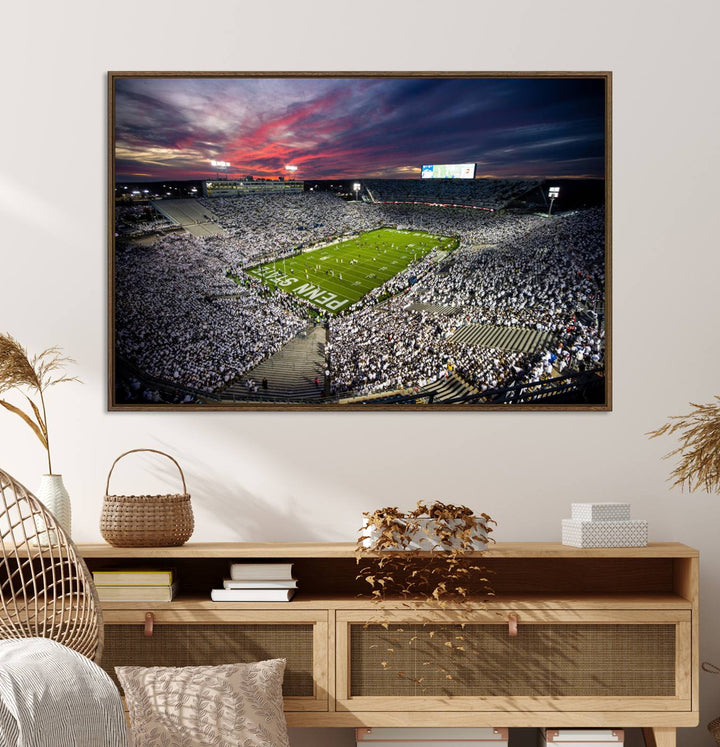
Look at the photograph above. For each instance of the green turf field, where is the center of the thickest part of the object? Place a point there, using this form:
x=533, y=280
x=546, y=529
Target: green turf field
x=335, y=277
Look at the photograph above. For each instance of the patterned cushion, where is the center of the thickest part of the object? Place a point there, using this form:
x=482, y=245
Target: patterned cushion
x=229, y=705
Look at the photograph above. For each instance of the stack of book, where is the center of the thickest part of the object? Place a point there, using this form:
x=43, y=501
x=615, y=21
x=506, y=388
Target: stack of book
x=136, y=585
x=257, y=582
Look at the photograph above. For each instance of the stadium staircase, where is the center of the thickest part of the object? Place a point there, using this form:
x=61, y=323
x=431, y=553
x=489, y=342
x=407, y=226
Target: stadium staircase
x=434, y=308
x=291, y=372
x=191, y=215
x=518, y=339
x=451, y=388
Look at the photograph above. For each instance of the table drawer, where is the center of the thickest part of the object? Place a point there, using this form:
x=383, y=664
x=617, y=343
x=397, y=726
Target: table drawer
x=299, y=638
x=574, y=660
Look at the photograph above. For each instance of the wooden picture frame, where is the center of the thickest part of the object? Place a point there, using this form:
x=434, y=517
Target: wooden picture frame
x=237, y=200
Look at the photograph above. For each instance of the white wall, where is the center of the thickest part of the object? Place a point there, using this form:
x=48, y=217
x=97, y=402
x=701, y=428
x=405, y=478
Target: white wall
x=297, y=476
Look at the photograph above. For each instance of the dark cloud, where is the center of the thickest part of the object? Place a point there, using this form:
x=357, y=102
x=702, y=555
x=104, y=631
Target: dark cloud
x=334, y=128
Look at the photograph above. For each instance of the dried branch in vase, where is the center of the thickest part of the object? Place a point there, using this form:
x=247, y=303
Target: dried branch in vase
x=18, y=371
x=699, y=450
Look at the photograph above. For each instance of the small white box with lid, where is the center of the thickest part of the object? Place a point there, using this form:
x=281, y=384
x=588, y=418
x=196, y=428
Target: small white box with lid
x=603, y=525
x=633, y=533
x=601, y=511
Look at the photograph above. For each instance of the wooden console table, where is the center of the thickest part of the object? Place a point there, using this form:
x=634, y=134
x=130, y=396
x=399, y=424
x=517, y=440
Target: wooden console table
x=605, y=637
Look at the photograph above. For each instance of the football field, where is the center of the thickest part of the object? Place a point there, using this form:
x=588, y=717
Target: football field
x=334, y=277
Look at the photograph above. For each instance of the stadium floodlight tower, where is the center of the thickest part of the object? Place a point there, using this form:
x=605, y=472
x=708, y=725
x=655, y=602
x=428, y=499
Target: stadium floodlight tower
x=553, y=194
x=292, y=169
x=220, y=167
x=356, y=188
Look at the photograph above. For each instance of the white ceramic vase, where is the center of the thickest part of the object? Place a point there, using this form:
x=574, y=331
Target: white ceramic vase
x=55, y=498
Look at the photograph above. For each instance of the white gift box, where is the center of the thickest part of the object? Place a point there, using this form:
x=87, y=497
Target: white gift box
x=424, y=538
x=633, y=533
x=601, y=511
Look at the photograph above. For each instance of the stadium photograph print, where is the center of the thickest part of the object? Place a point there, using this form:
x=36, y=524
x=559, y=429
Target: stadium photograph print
x=359, y=241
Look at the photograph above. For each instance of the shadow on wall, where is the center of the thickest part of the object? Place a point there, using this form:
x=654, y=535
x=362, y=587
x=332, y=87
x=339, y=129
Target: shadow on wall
x=245, y=517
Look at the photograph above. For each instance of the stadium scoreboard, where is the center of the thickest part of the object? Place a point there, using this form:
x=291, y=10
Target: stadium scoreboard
x=448, y=171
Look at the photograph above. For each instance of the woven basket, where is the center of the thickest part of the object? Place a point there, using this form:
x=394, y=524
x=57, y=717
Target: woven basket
x=146, y=520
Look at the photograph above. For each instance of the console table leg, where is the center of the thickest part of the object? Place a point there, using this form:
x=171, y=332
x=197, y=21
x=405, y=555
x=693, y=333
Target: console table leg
x=659, y=736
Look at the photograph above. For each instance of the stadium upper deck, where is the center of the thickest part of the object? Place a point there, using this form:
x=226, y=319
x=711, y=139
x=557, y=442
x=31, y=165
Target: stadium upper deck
x=239, y=187
x=490, y=194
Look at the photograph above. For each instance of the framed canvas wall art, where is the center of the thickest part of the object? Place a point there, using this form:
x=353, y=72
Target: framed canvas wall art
x=402, y=241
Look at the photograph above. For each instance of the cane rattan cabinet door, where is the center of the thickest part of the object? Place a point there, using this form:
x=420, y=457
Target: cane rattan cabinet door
x=564, y=660
x=182, y=638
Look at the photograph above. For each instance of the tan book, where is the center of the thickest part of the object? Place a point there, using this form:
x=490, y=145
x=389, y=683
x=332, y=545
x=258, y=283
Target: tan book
x=137, y=593
x=134, y=577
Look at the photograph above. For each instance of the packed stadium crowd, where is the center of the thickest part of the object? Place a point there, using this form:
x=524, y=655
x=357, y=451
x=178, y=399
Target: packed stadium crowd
x=181, y=319
x=392, y=347
x=535, y=280
x=472, y=228
x=264, y=226
x=489, y=368
x=385, y=347
x=261, y=227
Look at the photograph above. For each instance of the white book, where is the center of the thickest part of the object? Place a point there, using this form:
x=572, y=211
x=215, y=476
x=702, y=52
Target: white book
x=228, y=583
x=252, y=595
x=260, y=571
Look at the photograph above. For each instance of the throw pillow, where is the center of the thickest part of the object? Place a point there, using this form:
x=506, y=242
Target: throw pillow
x=224, y=706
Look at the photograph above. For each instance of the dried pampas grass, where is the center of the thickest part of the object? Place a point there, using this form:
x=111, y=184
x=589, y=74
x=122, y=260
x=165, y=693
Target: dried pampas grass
x=699, y=450
x=19, y=371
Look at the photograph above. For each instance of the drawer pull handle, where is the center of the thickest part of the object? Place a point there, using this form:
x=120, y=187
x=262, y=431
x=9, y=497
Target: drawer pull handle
x=149, y=623
x=512, y=624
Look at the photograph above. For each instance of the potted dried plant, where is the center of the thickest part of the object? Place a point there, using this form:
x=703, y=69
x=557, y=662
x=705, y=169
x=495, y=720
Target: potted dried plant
x=439, y=527
x=698, y=468
x=699, y=450
x=32, y=377
x=426, y=557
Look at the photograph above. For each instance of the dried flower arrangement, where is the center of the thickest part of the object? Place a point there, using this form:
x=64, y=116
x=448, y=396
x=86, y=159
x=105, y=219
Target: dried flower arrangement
x=21, y=372
x=395, y=566
x=699, y=450
x=449, y=576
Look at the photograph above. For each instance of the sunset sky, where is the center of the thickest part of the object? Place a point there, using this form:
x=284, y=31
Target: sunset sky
x=333, y=128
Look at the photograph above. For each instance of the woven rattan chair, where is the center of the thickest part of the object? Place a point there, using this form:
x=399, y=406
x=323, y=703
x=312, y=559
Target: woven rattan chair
x=46, y=590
